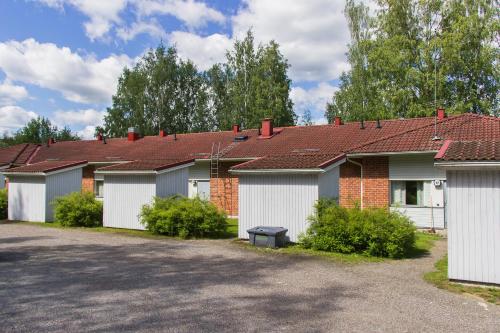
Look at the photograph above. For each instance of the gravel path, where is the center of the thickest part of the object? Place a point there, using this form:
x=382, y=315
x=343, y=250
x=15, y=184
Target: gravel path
x=72, y=281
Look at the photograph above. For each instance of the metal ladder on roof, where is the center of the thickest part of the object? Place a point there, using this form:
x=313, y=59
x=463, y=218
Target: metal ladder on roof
x=215, y=192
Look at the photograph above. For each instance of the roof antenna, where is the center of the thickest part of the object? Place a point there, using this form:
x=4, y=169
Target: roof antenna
x=436, y=137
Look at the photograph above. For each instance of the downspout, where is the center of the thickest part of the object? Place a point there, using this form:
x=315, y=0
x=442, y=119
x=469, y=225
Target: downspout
x=361, y=168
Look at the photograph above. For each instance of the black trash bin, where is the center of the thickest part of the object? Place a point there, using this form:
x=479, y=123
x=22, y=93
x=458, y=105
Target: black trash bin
x=267, y=236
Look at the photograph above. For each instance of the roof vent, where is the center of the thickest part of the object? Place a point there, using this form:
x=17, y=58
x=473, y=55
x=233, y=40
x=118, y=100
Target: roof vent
x=133, y=134
x=163, y=133
x=240, y=138
x=338, y=121
x=236, y=128
x=378, y=124
x=362, y=124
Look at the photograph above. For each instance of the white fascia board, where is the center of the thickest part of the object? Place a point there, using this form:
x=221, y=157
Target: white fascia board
x=279, y=171
x=142, y=172
x=468, y=165
x=389, y=153
x=334, y=165
x=45, y=173
x=182, y=166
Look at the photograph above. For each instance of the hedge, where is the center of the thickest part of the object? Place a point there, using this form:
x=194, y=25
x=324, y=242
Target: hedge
x=78, y=210
x=183, y=217
x=374, y=232
x=3, y=203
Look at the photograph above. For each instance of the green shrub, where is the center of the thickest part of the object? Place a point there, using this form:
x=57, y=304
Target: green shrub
x=3, y=203
x=375, y=232
x=184, y=217
x=78, y=210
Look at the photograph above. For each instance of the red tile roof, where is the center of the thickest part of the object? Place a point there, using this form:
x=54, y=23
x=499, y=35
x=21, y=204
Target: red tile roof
x=149, y=165
x=470, y=151
x=293, y=161
x=464, y=127
x=397, y=135
x=45, y=167
x=17, y=154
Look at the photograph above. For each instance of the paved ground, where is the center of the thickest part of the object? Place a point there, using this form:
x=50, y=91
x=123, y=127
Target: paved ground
x=69, y=281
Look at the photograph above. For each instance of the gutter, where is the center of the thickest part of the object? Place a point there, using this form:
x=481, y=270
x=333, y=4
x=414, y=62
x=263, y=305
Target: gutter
x=278, y=171
x=465, y=165
x=361, y=168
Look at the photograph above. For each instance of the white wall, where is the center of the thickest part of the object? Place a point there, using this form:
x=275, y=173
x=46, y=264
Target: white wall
x=174, y=182
x=124, y=197
x=199, y=171
x=414, y=167
x=27, y=198
x=276, y=200
x=329, y=184
x=474, y=225
x=60, y=184
x=421, y=167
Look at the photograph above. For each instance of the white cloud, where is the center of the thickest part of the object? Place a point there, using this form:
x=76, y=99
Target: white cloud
x=203, y=51
x=105, y=15
x=313, y=99
x=9, y=93
x=102, y=14
x=313, y=36
x=194, y=14
x=78, y=117
x=13, y=118
x=87, y=133
x=82, y=79
x=151, y=28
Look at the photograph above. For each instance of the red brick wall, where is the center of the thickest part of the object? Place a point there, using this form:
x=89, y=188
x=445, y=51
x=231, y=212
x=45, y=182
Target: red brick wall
x=349, y=184
x=224, y=191
x=375, y=182
x=88, y=178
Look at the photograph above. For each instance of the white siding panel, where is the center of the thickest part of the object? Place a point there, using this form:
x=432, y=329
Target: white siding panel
x=170, y=183
x=474, y=225
x=414, y=167
x=124, y=197
x=27, y=198
x=423, y=217
x=276, y=200
x=60, y=184
x=329, y=184
x=201, y=170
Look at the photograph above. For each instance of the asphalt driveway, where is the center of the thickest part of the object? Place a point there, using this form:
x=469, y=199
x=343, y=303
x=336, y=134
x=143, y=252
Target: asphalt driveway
x=68, y=281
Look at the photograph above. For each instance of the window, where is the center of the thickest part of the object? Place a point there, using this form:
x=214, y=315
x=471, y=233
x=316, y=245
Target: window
x=409, y=193
x=99, y=188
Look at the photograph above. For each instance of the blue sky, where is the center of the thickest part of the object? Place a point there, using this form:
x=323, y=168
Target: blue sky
x=61, y=58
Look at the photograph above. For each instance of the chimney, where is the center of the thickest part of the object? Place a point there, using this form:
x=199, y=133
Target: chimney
x=163, y=133
x=338, y=121
x=51, y=141
x=378, y=124
x=267, y=127
x=441, y=114
x=99, y=137
x=236, y=128
x=133, y=134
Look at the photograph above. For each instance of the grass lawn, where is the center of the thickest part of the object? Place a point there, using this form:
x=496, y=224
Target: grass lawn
x=439, y=278
x=424, y=243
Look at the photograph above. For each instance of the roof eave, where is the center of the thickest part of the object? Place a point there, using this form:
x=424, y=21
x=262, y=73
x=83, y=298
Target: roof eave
x=456, y=165
x=392, y=153
x=279, y=171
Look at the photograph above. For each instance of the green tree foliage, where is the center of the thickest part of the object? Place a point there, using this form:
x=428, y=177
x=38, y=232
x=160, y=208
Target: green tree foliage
x=38, y=130
x=413, y=51
x=165, y=92
x=161, y=92
x=254, y=84
x=4, y=203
